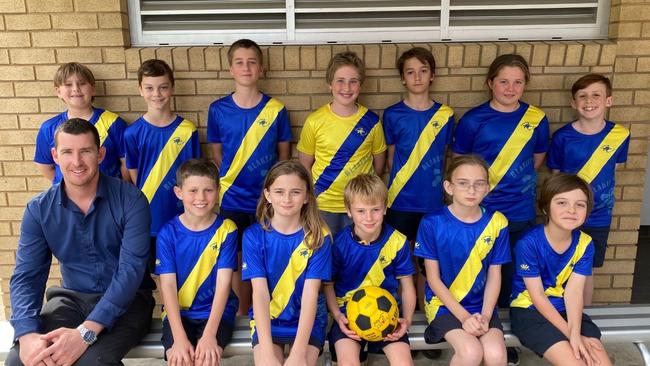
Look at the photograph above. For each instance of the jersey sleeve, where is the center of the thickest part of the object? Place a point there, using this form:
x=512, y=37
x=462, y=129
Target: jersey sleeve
x=526, y=257
x=131, y=150
x=464, y=135
x=389, y=128
x=307, y=142
x=320, y=263
x=252, y=254
x=337, y=260
x=214, y=135
x=584, y=265
x=425, y=246
x=43, y=153
x=501, y=248
x=284, y=126
x=228, y=252
x=621, y=157
x=116, y=132
x=378, y=141
x=555, y=155
x=165, y=253
x=542, y=131
x=403, y=262
x=449, y=130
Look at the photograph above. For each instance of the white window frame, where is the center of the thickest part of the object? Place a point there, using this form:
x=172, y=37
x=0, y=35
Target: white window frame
x=444, y=31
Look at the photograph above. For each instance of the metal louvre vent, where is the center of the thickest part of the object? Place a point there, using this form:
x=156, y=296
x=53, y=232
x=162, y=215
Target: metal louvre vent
x=197, y=22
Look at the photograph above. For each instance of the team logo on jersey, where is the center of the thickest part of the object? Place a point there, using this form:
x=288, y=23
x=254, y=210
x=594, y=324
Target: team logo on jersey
x=262, y=122
x=177, y=140
x=157, y=262
x=304, y=252
x=524, y=267
x=435, y=124
x=214, y=245
x=527, y=126
x=572, y=264
x=416, y=245
x=607, y=149
x=382, y=259
x=487, y=240
x=244, y=265
x=361, y=131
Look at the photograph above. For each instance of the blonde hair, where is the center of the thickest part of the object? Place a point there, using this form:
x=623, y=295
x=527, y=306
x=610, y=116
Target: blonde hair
x=367, y=188
x=345, y=58
x=73, y=68
x=315, y=228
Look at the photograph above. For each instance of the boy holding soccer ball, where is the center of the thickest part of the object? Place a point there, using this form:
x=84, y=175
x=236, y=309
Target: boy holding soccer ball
x=369, y=253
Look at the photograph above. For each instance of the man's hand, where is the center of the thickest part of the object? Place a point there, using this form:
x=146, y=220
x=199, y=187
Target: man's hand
x=31, y=345
x=66, y=346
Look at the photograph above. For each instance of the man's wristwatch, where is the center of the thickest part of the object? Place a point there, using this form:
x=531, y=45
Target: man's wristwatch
x=88, y=336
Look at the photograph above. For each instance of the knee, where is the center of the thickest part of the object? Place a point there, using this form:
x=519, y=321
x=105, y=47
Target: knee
x=470, y=353
x=495, y=356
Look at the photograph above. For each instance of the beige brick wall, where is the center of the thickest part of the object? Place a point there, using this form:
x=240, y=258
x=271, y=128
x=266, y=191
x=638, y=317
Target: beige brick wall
x=37, y=35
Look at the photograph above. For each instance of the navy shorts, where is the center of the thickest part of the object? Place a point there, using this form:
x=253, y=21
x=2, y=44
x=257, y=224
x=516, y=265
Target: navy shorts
x=599, y=235
x=442, y=324
x=194, y=330
x=405, y=222
x=336, y=334
x=242, y=220
x=538, y=334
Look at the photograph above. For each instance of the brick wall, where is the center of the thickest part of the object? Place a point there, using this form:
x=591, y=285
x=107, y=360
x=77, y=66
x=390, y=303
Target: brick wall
x=37, y=35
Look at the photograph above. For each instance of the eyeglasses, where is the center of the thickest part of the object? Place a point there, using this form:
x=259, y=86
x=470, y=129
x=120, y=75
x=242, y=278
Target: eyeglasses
x=479, y=186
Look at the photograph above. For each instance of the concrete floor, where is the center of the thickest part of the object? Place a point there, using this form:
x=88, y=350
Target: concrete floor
x=621, y=354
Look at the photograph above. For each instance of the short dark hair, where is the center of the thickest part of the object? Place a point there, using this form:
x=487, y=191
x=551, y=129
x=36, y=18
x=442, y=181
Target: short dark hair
x=559, y=183
x=201, y=167
x=245, y=43
x=589, y=79
x=422, y=54
x=509, y=59
x=77, y=126
x=155, y=67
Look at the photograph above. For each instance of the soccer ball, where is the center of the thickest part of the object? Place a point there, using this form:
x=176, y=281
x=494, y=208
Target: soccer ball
x=372, y=313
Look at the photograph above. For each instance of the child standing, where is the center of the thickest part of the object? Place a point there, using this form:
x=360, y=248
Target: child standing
x=158, y=142
x=464, y=246
x=369, y=253
x=196, y=253
x=553, y=261
x=248, y=132
x=418, y=131
x=75, y=86
x=591, y=147
x=286, y=256
x=341, y=139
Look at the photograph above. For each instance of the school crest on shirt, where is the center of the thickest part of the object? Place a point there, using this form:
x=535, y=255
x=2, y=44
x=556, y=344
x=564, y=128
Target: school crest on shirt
x=382, y=259
x=361, y=131
x=527, y=126
x=304, y=252
x=436, y=124
x=607, y=149
x=487, y=240
x=262, y=122
x=214, y=245
x=177, y=140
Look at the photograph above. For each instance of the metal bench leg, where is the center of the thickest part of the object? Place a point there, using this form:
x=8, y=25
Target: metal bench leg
x=645, y=353
x=327, y=359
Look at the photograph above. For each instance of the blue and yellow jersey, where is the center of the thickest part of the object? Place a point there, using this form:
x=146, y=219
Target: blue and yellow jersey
x=534, y=257
x=593, y=158
x=420, y=139
x=464, y=252
x=156, y=152
x=342, y=147
x=507, y=142
x=249, y=138
x=111, y=136
x=286, y=262
x=195, y=257
x=380, y=263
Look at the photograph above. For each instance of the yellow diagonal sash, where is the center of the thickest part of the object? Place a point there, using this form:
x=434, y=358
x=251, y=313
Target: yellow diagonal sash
x=467, y=275
x=204, y=265
x=516, y=142
x=103, y=124
x=168, y=155
x=523, y=300
x=375, y=275
x=614, y=139
x=423, y=144
x=287, y=283
x=254, y=135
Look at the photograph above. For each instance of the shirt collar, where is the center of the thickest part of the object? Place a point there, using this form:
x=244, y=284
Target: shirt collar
x=62, y=199
x=360, y=241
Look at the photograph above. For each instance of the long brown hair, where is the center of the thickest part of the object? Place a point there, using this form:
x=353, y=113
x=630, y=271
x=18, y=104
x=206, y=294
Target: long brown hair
x=315, y=228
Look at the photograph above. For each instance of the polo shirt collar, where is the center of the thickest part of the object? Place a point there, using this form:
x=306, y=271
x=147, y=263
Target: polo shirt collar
x=62, y=199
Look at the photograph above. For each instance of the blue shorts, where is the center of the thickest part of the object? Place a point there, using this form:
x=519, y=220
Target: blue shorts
x=337, y=334
x=194, y=331
x=442, y=324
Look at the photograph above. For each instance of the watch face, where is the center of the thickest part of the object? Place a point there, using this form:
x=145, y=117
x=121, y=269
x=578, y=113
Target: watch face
x=89, y=336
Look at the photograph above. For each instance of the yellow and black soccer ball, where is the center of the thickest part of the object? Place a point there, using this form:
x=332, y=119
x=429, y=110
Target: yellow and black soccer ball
x=372, y=313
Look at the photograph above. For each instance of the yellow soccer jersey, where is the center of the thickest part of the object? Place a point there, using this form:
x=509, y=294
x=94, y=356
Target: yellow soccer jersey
x=342, y=147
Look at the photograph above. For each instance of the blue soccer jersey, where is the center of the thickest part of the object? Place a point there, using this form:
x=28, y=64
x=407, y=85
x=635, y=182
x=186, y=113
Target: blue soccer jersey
x=286, y=262
x=594, y=159
x=380, y=263
x=420, y=139
x=249, y=138
x=111, y=136
x=464, y=253
x=507, y=142
x=534, y=257
x=156, y=152
x=195, y=257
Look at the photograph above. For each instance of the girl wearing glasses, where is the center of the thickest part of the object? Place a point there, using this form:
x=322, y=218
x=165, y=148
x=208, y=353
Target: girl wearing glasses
x=463, y=246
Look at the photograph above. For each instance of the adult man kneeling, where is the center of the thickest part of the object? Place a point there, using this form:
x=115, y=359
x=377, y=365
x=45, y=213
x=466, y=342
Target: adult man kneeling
x=98, y=229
